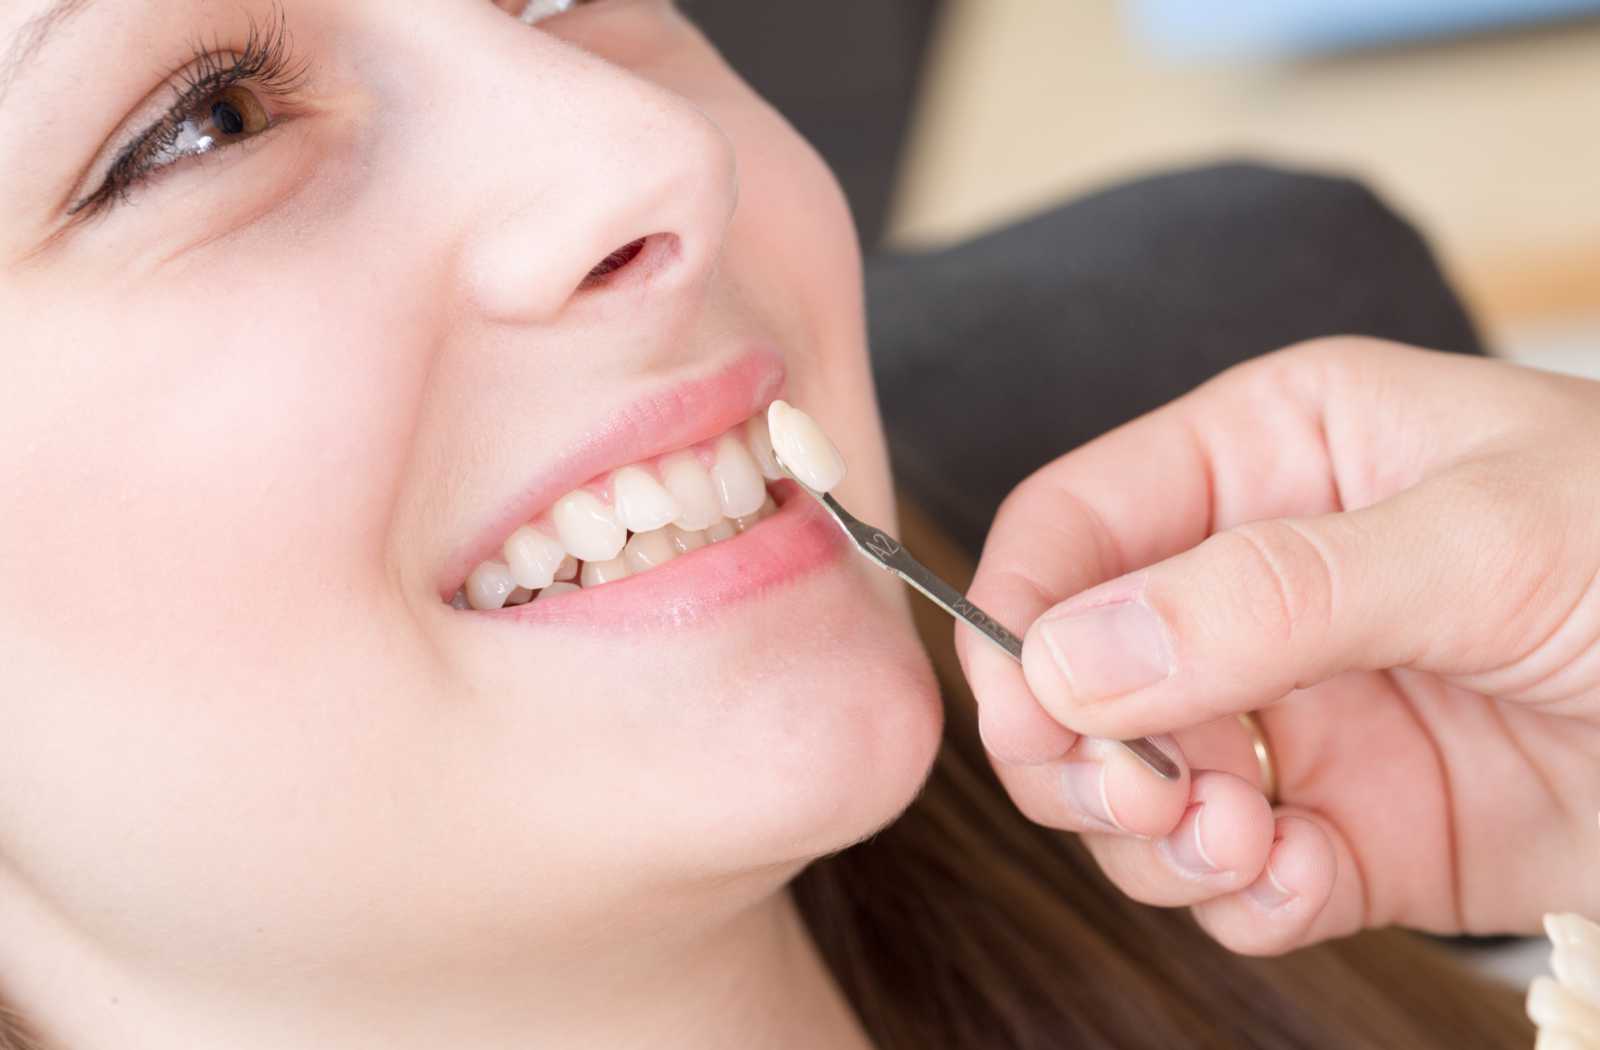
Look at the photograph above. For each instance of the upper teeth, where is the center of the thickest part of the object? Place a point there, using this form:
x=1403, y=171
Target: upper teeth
x=683, y=502
x=534, y=558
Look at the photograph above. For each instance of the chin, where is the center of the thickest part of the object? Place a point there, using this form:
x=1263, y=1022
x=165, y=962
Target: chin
x=829, y=747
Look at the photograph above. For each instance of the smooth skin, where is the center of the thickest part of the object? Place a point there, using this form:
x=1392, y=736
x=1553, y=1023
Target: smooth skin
x=1392, y=555
x=260, y=786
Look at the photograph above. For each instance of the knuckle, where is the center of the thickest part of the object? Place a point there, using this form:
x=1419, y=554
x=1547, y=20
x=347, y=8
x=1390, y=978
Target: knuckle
x=1335, y=363
x=1285, y=575
x=1339, y=350
x=1306, y=371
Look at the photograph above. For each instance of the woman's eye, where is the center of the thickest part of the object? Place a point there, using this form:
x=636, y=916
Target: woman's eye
x=222, y=99
x=205, y=121
x=228, y=116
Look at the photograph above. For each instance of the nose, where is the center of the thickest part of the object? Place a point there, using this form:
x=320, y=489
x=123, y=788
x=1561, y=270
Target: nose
x=583, y=169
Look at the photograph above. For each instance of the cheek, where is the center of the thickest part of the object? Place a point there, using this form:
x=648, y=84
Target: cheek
x=199, y=510
x=202, y=477
x=793, y=252
x=794, y=228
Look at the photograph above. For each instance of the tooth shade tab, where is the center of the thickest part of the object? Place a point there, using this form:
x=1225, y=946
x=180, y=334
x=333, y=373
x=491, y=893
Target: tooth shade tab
x=802, y=447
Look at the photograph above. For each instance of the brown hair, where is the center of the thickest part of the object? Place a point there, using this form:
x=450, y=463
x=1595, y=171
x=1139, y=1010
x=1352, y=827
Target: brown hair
x=963, y=925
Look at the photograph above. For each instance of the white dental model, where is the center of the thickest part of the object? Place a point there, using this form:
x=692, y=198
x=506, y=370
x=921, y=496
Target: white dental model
x=804, y=448
x=1566, y=1007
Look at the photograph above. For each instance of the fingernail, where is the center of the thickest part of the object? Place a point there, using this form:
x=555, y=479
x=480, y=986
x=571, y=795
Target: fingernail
x=1185, y=848
x=1268, y=892
x=1108, y=650
x=1083, y=784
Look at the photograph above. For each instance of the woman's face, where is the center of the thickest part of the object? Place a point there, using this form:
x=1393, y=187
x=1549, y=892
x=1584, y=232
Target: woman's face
x=279, y=376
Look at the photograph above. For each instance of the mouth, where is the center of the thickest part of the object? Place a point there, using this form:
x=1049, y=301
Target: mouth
x=634, y=520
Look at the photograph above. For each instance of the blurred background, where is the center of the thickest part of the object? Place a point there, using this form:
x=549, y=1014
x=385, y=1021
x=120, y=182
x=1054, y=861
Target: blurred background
x=1476, y=119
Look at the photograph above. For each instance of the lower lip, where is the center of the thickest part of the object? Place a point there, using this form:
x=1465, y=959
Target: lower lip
x=799, y=540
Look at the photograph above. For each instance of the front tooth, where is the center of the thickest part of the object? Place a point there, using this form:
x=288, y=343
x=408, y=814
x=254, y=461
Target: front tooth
x=740, y=489
x=567, y=571
x=597, y=572
x=589, y=529
x=555, y=589
x=533, y=557
x=722, y=530
x=649, y=549
x=760, y=439
x=520, y=596
x=762, y=513
x=691, y=486
x=686, y=541
x=804, y=448
x=489, y=586
x=642, y=504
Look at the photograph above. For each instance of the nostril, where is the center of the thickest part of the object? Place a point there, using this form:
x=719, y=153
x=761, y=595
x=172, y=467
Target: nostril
x=614, y=262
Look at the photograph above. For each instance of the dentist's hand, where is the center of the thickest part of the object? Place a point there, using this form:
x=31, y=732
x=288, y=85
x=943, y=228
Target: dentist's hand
x=1395, y=556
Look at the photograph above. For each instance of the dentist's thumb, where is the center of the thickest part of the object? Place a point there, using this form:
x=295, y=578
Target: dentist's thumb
x=1256, y=611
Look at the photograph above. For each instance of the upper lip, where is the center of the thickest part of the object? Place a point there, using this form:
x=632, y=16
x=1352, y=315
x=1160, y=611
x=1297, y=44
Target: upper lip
x=670, y=418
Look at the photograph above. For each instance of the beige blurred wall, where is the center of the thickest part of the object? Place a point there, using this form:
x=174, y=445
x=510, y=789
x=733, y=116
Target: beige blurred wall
x=1491, y=144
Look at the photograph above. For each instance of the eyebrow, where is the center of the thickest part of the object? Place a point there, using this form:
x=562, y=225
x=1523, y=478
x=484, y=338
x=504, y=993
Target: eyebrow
x=32, y=37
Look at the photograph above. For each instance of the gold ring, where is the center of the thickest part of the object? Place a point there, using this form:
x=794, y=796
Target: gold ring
x=1258, y=743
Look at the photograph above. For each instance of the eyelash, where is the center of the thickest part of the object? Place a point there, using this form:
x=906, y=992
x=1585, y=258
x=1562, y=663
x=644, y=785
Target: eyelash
x=266, y=61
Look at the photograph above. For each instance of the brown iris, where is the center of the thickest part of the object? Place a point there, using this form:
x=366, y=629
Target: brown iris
x=233, y=113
